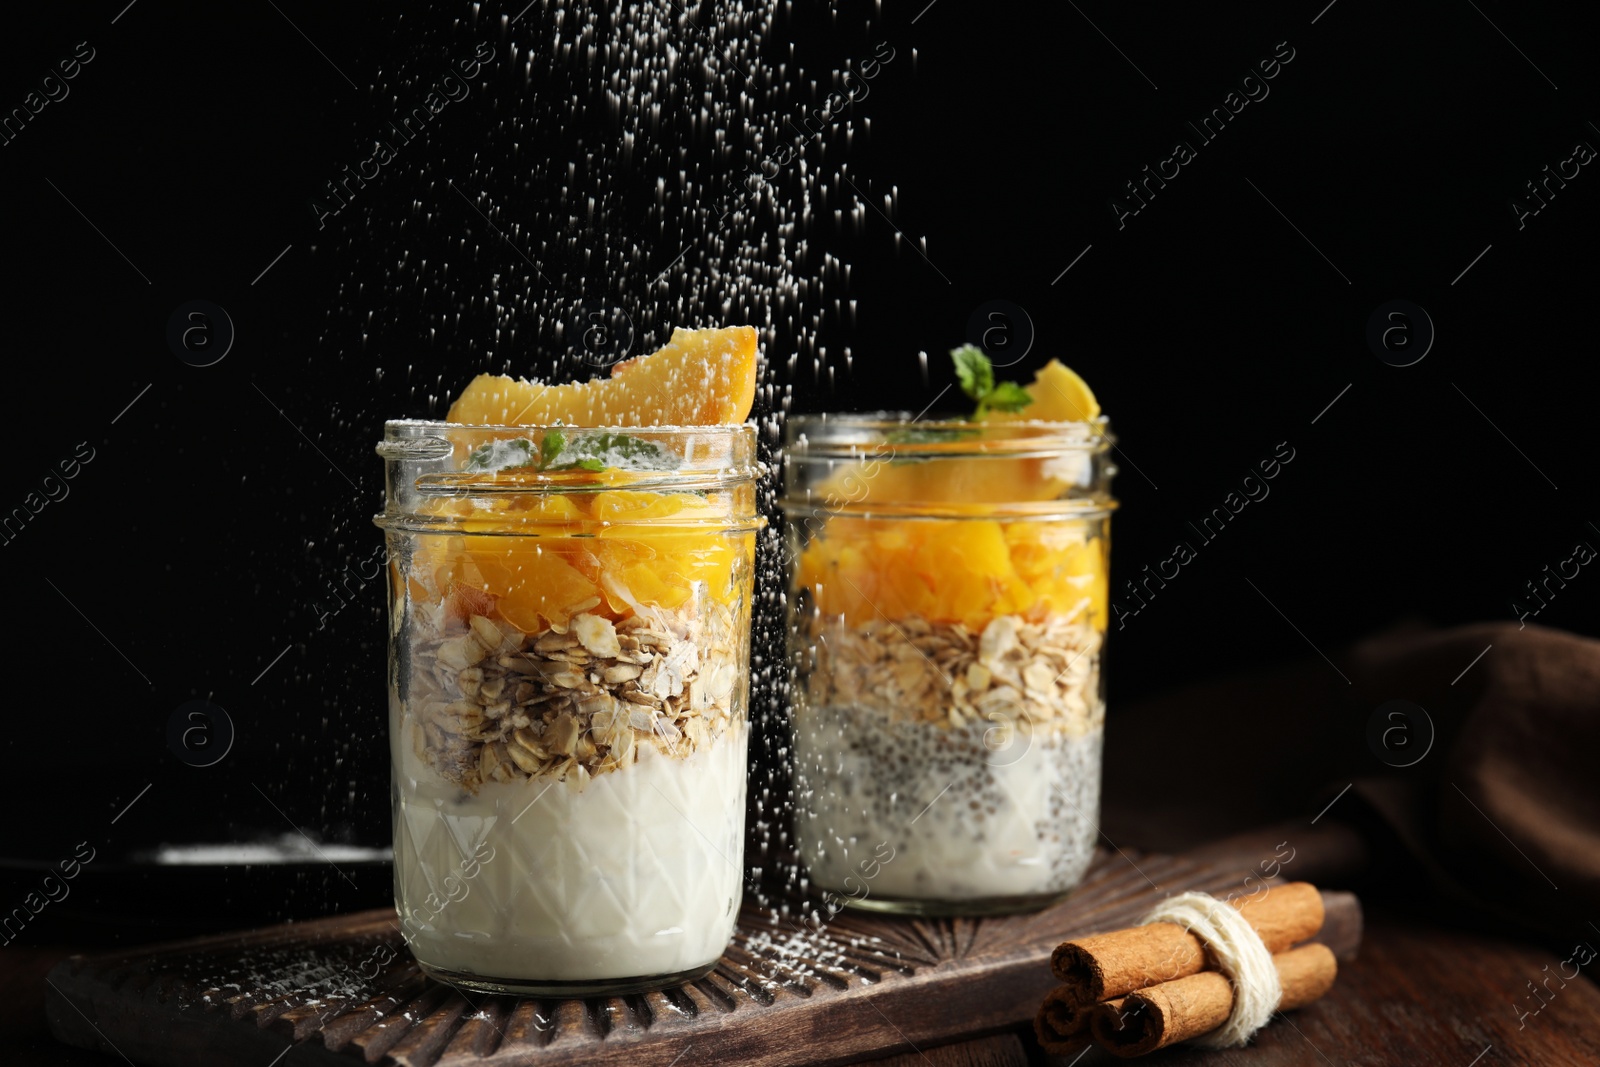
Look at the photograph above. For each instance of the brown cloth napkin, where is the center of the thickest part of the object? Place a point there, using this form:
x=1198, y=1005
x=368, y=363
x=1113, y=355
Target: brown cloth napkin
x=1499, y=821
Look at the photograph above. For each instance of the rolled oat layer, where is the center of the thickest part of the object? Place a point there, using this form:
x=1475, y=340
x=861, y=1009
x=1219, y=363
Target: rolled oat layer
x=1043, y=674
x=490, y=703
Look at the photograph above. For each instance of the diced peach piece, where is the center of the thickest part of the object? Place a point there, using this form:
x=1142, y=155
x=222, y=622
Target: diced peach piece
x=631, y=505
x=540, y=587
x=965, y=571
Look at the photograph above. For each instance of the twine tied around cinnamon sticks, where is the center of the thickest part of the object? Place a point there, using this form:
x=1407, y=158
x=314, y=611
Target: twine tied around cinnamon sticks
x=1198, y=969
x=1241, y=956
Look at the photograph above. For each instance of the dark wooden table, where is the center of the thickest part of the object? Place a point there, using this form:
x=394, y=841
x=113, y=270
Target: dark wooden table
x=1418, y=995
x=1422, y=995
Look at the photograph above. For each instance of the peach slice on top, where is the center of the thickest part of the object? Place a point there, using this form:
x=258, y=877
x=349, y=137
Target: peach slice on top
x=701, y=378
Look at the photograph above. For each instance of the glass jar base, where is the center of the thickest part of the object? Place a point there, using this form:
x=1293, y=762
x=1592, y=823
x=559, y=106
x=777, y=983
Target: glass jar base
x=595, y=987
x=980, y=906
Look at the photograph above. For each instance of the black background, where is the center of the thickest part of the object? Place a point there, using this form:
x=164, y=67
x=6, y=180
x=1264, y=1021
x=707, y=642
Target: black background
x=200, y=542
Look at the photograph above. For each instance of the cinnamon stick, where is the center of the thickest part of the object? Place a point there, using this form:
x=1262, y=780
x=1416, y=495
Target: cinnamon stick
x=1111, y=965
x=1062, y=1022
x=1189, y=1007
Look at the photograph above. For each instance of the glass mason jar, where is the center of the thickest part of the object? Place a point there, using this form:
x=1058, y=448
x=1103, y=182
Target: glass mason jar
x=568, y=681
x=947, y=614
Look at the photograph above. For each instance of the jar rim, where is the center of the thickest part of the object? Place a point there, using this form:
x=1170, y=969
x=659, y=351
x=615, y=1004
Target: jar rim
x=845, y=435
x=1061, y=510
x=418, y=438
x=897, y=418
x=526, y=427
x=428, y=459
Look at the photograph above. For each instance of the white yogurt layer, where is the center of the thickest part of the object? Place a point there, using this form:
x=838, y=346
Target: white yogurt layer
x=638, y=874
x=966, y=821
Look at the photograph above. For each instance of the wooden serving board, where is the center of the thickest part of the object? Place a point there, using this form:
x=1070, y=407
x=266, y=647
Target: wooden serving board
x=863, y=987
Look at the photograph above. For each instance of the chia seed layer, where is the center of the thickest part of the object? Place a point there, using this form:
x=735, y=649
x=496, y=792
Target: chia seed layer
x=974, y=755
x=975, y=812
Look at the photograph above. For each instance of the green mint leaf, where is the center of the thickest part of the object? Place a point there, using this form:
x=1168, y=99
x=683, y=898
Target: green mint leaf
x=1006, y=396
x=922, y=435
x=973, y=371
x=925, y=435
x=603, y=451
x=499, y=455
x=549, y=448
x=586, y=463
x=559, y=452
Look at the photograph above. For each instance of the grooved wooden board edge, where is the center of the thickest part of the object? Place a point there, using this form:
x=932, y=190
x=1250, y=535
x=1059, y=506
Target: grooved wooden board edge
x=862, y=987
